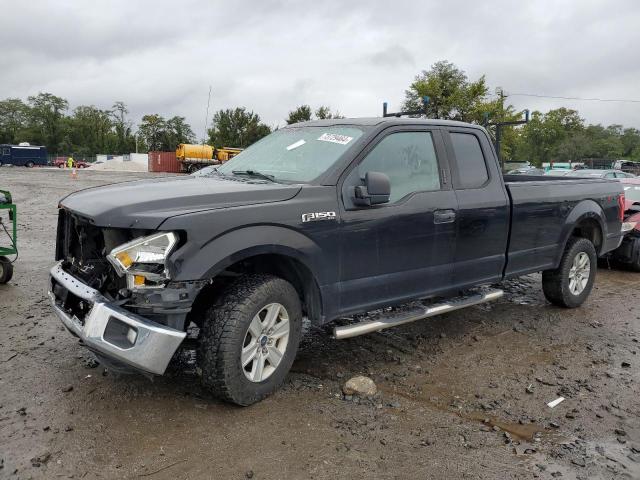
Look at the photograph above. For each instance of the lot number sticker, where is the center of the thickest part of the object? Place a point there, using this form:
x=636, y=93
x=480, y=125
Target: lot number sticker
x=335, y=138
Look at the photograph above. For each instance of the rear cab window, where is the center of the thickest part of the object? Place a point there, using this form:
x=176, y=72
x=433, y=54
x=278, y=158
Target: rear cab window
x=471, y=165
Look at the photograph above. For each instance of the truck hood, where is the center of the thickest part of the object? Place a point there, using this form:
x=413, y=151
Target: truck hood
x=146, y=204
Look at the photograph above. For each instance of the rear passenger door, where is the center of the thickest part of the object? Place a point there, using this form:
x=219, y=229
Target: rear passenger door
x=483, y=208
x=402, y=249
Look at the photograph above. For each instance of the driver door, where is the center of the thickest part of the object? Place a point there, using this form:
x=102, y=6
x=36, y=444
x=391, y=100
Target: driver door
x=403, y=249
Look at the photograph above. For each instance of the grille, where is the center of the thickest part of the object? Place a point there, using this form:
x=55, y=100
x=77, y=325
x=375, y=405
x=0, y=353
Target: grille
x=81, y=247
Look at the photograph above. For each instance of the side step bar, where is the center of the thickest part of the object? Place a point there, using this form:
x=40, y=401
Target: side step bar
x=348, y=331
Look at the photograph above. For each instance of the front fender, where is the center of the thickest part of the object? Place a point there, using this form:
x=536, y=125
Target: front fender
x=192, y=262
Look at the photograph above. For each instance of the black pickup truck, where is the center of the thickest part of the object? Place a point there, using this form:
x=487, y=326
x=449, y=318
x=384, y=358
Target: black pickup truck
x=320, y=220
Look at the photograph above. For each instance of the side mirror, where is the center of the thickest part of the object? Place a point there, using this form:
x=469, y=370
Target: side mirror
x=376, y=190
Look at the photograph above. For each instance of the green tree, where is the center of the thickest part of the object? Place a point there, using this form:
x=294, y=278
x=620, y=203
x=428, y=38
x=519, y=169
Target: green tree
x=323, y=112
x=152, y=130
x=46, y=116
x=125, y=141
x=451, y=95
x=630, y=143
x=604, y=142
x=542, y=137
x=178, y=131
x=91, y=130
x=14, y=117
x=300, y=114
x=303, y=113
x=236, y=128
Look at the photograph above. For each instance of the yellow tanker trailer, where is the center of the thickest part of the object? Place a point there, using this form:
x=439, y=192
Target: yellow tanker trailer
x=195, y=157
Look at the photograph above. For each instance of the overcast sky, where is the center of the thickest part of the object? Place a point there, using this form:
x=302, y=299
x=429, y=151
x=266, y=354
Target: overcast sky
x=270, y=56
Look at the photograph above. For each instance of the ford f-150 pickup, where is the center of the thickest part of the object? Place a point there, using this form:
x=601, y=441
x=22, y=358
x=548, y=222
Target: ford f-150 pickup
x=321, y=220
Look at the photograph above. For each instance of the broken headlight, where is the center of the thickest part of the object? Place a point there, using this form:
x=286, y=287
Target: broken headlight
x=144, y=260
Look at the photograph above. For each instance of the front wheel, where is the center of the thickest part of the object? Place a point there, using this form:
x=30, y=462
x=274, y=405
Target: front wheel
x=569, y=285
x=29, y=164
x=6, y=270
x=250, y=338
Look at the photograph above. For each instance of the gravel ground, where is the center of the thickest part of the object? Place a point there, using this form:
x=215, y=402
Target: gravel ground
x=462, y=395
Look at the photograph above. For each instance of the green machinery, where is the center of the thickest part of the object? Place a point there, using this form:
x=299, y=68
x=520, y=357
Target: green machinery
x=6, y=265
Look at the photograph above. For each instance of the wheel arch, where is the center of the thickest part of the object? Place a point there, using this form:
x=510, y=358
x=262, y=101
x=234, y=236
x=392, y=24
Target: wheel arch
x=586, y=220
x=266, y=249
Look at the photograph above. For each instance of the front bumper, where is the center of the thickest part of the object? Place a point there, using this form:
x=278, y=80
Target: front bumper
x=111, y=330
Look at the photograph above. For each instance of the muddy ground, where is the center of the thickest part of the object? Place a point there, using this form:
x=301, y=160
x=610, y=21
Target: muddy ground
x=463, y=395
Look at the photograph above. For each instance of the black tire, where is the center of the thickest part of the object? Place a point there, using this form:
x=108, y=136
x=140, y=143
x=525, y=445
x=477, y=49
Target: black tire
x=224, y=333
x=634, y=264
x=6, y=270
x=61, y=166
x=29, y=164
x=556, y=283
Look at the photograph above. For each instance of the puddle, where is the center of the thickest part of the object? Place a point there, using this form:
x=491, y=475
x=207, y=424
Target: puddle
x=522, y=432
x=525, y=432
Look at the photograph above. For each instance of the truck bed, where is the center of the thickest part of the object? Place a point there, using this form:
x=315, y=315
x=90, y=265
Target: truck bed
x=543, y=211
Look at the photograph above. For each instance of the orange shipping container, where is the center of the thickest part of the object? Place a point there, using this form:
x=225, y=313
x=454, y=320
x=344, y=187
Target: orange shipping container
x=163, y=162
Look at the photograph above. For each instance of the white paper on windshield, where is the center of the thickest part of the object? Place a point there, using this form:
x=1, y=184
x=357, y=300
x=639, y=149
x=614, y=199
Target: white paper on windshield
x=299, y=143
x=335, y=138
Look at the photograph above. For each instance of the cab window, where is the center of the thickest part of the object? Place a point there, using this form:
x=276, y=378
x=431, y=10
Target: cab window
x=472, y=168
x=408, y=159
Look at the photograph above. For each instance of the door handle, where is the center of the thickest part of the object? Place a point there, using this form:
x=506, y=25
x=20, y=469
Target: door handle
x=444, y=216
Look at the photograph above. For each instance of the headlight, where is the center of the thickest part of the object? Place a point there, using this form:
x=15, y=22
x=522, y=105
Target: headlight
x=144, y=259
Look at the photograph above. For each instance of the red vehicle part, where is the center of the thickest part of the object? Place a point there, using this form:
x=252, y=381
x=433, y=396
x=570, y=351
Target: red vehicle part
x=628, y=253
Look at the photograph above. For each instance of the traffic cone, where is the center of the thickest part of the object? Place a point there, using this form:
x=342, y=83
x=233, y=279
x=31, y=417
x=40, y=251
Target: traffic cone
x=74, y=174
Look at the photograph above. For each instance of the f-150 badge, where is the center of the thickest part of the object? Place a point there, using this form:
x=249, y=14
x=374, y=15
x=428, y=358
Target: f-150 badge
x=317, y=216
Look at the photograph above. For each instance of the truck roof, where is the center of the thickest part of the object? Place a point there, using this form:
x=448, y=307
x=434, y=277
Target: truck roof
x=377, y=121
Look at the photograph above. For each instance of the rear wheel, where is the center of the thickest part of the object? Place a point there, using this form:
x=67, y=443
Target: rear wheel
x=6, y=270
x=569, y=285
x=250, y=338
x=29, y=164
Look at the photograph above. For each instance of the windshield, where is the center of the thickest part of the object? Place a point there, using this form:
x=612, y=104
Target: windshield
x=632, y=192
x=294, y=154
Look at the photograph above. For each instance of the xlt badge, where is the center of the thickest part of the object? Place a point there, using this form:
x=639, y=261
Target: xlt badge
x=316, y=216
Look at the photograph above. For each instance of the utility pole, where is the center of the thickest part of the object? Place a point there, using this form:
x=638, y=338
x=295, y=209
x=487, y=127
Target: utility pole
x=206, y=118
x=500, y=93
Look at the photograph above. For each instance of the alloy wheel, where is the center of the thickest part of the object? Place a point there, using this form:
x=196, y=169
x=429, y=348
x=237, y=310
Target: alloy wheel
x=265, y=342
x=579, y=273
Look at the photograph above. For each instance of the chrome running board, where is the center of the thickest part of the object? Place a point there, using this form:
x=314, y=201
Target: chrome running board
x=348, y=331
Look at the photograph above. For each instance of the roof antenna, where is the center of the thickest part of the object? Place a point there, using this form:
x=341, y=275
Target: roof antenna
x=206, y=118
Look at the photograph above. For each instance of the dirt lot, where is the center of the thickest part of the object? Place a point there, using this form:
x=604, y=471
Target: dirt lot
x=461, y=396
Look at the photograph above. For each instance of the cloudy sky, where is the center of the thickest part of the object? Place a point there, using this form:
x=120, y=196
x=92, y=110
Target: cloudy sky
x=161, y=56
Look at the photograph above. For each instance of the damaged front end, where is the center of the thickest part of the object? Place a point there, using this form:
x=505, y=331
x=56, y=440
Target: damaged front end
x=111, y=287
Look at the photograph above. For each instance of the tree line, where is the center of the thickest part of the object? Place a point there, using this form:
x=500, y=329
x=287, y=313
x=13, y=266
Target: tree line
x=557, y=135
x=87, y=130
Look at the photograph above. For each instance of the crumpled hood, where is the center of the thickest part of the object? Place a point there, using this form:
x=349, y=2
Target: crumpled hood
x=146, y=204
